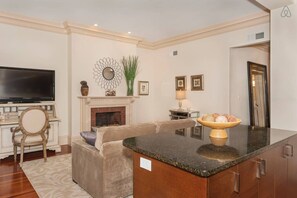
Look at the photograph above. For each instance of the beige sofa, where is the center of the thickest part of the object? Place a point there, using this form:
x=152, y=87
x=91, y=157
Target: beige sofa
x=106, y=169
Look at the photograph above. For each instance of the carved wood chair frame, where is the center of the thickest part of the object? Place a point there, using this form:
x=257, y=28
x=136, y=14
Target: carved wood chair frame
x=44, y=133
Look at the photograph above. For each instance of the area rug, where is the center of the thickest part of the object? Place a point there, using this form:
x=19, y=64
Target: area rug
x=53, y=178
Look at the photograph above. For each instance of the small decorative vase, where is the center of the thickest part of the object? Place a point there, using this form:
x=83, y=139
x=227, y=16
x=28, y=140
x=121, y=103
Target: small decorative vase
x=130, y=87
x=84, y=88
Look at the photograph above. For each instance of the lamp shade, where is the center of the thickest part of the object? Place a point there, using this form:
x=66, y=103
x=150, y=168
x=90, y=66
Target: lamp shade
x=180, y=95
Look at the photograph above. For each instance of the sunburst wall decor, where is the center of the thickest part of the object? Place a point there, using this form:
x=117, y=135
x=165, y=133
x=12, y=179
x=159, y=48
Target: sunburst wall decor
x=107, y=73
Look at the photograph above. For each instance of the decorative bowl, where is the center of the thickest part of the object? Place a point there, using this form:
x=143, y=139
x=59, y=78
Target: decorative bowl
x=218, y=128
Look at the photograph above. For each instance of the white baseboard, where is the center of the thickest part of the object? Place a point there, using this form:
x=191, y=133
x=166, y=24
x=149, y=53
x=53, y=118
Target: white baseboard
x=75, y=138
x=63, y=140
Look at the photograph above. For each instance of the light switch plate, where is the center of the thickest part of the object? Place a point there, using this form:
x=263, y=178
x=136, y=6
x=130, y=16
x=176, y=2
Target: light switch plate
x=145, y=164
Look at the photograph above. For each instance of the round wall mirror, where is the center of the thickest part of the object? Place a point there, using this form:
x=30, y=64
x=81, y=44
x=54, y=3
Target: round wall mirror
x=108, y=73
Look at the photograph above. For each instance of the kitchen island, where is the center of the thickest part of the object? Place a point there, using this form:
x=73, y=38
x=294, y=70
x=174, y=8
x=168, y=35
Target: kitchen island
x=254, y=162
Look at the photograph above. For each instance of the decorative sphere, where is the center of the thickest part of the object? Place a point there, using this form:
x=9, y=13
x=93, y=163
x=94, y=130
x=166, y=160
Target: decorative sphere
x=232, y=118
x=208, y=118
x=215, y=115
x=221, y=119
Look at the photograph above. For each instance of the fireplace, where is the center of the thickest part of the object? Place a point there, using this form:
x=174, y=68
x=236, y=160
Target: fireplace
x=106, y=116
x=90, y=105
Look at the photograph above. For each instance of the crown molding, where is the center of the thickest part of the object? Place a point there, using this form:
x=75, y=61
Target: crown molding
x=68, y=28
x=27, y=22
x=146, y=45
x=274, y=4
x=215, y=30
x=97, y=32
x=245, y=22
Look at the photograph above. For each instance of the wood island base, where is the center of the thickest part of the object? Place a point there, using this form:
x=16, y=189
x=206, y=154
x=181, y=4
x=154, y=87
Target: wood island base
x=269, y=174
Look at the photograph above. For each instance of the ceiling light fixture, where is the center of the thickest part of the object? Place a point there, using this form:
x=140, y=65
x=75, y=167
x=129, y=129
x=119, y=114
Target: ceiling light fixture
x=129, y=32
x=96, y=25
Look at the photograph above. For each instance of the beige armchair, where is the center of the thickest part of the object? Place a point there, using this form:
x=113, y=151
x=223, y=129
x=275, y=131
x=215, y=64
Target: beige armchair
x=34, y=128
x=106, y=169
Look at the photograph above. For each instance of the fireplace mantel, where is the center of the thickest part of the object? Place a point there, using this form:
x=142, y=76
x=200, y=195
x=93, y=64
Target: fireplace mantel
x=89, y=102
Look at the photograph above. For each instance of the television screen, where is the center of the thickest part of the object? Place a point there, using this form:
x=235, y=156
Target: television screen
x=26, y=85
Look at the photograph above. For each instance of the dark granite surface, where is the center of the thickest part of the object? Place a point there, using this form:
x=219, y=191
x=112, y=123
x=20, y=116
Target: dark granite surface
x=193, y=151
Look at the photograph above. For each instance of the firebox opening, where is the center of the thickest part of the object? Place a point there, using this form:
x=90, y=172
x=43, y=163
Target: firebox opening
x=108, y=118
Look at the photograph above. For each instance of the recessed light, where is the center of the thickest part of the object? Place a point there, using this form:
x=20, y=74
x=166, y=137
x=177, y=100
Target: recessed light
x=129, y=32
x=96, y=25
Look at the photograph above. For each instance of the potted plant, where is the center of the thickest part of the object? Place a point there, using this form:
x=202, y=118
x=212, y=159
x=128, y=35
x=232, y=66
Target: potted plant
x=130, y=65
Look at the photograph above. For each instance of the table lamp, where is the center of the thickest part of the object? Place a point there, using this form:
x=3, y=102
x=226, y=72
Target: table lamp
x=180, y=95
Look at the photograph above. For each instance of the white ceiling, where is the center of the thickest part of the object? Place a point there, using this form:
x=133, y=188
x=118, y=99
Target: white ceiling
x=152, y=20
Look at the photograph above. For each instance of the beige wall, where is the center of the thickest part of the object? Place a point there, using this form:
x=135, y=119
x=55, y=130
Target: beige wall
x=284, y=69
x=239, y=96
x=208, y=56
x=73, y=57
x=145, y=107
x=29, y=48
x=85, y=51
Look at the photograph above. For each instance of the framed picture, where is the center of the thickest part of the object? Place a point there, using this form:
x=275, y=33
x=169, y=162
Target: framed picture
x=197, y=83
x=181, y=132
x=143, y=88
x=180, y=83
x=197, y=132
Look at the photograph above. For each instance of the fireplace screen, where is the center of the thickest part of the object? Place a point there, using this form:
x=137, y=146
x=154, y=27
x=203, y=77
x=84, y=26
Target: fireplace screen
x=108, y=118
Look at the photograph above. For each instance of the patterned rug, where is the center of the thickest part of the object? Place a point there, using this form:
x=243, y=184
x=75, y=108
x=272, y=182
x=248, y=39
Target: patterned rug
x=53, y=178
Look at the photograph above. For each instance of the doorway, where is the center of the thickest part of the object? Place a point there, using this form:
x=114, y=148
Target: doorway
x=258, y=95
x=239, y=84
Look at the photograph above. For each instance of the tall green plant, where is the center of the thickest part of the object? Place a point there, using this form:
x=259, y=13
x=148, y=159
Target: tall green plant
x=130, y=65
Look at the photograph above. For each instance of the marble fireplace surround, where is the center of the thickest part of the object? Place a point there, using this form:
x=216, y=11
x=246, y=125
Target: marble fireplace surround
x=89, y=102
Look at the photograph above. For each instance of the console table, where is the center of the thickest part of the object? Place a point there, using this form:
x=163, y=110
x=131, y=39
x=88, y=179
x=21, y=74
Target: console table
x=9, y=118
x=176, y=114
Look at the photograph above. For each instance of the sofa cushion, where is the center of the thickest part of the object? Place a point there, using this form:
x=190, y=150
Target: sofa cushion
x=89, y=137
x=115, y=133
x=172, y=125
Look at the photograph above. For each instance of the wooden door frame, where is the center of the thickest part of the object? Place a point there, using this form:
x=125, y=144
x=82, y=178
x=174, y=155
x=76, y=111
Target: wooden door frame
x=251, y=101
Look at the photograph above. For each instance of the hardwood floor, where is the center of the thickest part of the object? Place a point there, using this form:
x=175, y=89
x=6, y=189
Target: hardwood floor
x=13, y=181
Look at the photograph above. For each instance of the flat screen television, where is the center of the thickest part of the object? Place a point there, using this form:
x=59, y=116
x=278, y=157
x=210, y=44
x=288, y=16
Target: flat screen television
x=22, y=85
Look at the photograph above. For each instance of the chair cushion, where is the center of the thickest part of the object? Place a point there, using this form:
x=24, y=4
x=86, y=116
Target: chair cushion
x=29, y=139
x=89, y=137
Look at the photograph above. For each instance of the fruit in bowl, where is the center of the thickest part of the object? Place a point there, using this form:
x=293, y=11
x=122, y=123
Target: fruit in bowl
x=218, y=123
x=215, y=117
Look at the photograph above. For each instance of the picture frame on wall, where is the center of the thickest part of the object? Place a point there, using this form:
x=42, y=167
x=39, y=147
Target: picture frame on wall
x=181, y=132
x=180, y=83
x=143, y=88
x=197, y=132
x=197, y=83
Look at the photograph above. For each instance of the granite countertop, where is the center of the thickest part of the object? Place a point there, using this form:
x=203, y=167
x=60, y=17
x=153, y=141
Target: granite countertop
x=193, y=151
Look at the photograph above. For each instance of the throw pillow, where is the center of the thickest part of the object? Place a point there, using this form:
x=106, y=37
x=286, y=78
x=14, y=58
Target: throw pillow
x=89, y=137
